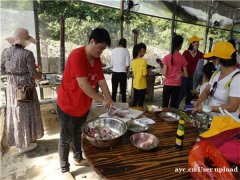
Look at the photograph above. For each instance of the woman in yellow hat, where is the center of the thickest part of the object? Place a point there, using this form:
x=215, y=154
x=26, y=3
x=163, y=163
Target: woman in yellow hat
x=224, y=86
x=194, y=58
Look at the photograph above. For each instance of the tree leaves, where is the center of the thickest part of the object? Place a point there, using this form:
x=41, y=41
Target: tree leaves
x=81, y=18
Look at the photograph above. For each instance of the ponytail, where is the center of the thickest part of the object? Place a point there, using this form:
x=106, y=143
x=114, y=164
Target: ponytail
x=176, y=44
x=172, y=52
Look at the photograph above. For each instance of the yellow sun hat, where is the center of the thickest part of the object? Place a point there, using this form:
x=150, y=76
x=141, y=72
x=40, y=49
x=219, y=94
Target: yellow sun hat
x=193, y=39
x=220, y=124
x=221, y=49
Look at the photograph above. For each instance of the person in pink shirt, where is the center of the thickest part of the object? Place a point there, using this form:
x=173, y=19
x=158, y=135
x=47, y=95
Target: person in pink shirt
x=174, y=67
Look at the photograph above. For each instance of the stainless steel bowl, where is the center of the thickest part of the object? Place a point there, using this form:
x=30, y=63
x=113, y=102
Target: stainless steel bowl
x=202, y=121
x=115, y=127
x=137, y=126
x=144, y=141
x=169, y=116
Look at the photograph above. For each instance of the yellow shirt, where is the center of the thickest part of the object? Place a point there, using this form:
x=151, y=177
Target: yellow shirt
x=139, y=68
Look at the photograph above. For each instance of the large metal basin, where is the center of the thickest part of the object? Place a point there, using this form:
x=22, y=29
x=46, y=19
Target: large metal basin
x=113, y=128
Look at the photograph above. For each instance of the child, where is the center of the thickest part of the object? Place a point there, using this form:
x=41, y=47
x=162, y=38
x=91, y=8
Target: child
x=208, y=70
x=139, y=69
x=174, y=67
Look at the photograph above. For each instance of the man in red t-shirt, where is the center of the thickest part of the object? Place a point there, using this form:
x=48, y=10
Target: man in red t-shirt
x=83, y=72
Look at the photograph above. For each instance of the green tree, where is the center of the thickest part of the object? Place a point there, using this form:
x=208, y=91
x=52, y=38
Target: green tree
x=81, y=18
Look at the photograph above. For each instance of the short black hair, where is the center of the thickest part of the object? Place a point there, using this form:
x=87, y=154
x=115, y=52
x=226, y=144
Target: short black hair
x=137, y=48
x=229, y=62
x=123, y=42
x=100, y=35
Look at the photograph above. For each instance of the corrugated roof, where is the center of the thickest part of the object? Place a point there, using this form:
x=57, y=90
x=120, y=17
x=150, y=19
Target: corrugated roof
x=234, y=4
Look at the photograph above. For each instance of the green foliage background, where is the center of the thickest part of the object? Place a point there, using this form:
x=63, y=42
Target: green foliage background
x=82, y=17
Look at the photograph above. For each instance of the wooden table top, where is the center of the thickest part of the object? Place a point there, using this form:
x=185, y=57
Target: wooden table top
x=124, y=161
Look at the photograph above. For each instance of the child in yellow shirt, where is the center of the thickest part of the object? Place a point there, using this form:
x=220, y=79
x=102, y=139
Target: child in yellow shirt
x=139, y=68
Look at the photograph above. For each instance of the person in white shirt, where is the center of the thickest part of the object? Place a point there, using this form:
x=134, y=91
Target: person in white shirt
x=223, y=90
x=120, y=61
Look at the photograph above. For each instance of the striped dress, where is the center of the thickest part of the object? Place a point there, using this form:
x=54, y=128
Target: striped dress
x=24, y=122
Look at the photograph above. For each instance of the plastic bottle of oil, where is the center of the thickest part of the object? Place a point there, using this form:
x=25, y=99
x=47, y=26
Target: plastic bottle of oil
x=180, y=134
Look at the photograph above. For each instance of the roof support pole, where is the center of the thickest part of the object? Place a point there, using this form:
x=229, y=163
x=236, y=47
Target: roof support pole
x=36, y=20
x=135, y=36
x=211, y=10
x=173, y=21
x=62, y=45
x=233, y=23
x=122, y=18
x=208, y=24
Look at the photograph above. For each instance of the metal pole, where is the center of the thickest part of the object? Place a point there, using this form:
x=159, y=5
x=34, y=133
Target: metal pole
x=173, y=22
x=233, y=23
x=231, y=32
x=62, y=46
x=135, y=36
x=210, y=8
x=122, y=18
x=210, y=44
x=36, y=21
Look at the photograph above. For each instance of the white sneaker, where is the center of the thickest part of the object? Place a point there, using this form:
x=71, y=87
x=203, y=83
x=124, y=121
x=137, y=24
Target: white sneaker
x=31, y=146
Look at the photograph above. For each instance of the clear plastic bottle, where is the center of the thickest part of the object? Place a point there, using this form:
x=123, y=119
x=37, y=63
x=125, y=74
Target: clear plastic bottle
x=180, y=134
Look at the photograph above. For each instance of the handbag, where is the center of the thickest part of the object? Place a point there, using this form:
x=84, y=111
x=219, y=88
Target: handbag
x=24, y=93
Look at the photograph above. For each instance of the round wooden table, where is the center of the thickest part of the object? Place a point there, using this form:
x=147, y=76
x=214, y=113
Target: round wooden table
x=124, y=161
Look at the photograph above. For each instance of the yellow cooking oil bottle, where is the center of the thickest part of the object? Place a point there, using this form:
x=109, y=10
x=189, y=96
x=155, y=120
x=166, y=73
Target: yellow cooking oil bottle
x=180, y=134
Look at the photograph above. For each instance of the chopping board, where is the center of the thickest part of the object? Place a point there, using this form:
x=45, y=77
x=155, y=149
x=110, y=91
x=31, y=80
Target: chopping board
x=131, y=114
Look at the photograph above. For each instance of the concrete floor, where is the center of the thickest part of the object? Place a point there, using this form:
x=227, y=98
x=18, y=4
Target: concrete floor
x=43, y=162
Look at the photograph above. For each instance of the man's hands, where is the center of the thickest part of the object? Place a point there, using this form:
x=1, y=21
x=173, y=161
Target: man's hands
x=107, y=103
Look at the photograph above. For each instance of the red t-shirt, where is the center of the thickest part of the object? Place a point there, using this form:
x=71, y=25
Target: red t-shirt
x=174, y=71
x=71, y=99
x=192, y=61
